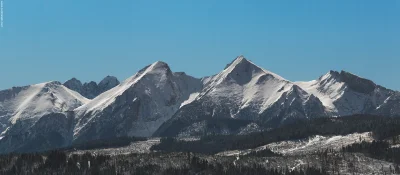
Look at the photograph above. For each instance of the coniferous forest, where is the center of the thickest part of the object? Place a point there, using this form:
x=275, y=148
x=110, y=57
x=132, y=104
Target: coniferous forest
x=203, y=155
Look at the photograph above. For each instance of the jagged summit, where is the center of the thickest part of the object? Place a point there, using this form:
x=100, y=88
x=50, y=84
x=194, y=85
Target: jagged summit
x=107, y=83
x=182, y=105
x=243, y=71
x=352, y=81
x=244, y=91
x=159, y=66
x=92, y=89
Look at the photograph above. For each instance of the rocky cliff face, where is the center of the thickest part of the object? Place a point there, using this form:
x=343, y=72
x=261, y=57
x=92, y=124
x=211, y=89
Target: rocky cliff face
x=91, y=89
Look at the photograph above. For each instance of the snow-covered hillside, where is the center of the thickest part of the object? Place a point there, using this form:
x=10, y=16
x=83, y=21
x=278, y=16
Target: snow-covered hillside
x=308, y=146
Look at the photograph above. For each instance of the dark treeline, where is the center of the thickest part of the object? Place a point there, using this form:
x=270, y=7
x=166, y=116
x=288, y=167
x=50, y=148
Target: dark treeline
x=263, y=153
x=58, y=162
x=381, y=127
x=200, y=166
x=104, y=143
x=377, y=149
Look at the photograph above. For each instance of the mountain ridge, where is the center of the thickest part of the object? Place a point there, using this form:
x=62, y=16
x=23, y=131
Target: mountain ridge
x=157, y=101
x=92, y=89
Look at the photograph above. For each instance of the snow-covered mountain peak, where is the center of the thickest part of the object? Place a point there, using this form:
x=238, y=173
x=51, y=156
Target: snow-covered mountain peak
x=159, y=66
x=45, y=98
x=242, y=63
x=246, y=91
x=242, y=71
x=349, y=80
x=31, y=103
x=330, y=75
x=137, y=106
x=344, y=93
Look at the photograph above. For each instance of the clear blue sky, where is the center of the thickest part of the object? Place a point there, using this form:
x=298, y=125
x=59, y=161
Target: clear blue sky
x=45, y=40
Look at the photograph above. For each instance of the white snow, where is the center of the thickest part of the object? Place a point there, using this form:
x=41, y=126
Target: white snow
x=339, y=99
x=191, y=98
x=246, y=84
x=34, y=101
x=318, y=143
x=134, y=147
x=305, y=146
x=44, y=98
x=332, y=90
x=107, y=98
x=384, y=102
x=159, y=91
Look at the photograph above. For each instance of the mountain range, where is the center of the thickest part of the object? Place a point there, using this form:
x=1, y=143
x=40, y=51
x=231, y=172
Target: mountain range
x=155, y=101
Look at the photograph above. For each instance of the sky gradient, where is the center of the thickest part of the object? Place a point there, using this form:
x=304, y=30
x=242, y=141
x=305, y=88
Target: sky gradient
x=46, y=40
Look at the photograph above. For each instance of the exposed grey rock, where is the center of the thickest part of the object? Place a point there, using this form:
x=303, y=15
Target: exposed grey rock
x=91, y=89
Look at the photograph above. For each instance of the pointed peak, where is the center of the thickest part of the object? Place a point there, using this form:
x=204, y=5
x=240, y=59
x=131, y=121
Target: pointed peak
x=157, y=67
x=159, y=64
x=239, y=60
x=332, y=74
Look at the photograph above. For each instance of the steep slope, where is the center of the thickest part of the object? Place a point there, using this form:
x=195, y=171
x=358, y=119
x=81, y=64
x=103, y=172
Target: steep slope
x=23, y=109
x=136, y=107
x=345, y=94
x=244, y=91
x=92, y=89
